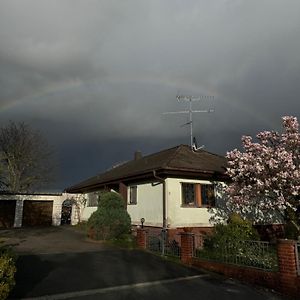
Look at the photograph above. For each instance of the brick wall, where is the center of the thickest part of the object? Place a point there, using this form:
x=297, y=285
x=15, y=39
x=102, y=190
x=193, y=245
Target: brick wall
x=141, y=238
x=244, y=274
x=286, y=280
x=287, y=261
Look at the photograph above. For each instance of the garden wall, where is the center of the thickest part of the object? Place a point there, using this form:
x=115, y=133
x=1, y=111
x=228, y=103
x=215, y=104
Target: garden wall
x=286, y=280
x=244, y=274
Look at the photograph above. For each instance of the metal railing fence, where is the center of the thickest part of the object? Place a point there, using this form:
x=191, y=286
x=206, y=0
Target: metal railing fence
x=255, y=254
x=160, y=244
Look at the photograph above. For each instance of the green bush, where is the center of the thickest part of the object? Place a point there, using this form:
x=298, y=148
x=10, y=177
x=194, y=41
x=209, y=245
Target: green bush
x=238, y=243
x=82, y=226
x=125, y=241
x=232, y=233
x=7, y=272
x=110, y=220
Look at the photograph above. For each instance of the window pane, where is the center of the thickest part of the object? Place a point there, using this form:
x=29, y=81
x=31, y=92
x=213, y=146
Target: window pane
x=92, y=200
x=208, y=195
x=133, y=195
x=188, y=193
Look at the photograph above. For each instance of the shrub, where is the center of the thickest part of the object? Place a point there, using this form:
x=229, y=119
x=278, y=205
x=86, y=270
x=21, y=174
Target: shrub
x=125, y=241
x=7, y=272
x=238, y=243
x=110, y=220
x=230, y=234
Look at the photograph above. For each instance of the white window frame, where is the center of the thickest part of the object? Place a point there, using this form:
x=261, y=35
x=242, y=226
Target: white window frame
x=131, y=195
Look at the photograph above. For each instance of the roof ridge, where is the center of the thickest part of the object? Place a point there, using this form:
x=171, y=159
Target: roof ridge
x=159, y=152
x=133, y=160
x=215, y=154
x=179, y=147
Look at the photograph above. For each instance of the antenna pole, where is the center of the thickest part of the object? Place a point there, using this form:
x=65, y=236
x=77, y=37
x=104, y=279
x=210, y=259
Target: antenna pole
x=191, y=122
x=191, y=99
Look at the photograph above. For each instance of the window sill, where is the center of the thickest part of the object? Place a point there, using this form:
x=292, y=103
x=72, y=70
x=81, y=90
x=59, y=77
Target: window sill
x=189, y=206
x=194, y=206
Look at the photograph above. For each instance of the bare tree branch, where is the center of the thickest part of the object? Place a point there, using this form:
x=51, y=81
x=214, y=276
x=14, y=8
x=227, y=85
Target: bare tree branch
x=25, y=158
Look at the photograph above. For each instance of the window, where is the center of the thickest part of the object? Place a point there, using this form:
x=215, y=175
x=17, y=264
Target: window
x=207, y=195
x=92, y=200
x=133, y=195
x=188, y=194
x=197, y=195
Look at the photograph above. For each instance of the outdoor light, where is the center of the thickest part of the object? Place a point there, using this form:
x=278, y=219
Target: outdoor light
x=142, y=221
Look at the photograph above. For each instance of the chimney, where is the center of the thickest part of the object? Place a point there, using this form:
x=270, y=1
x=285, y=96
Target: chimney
x=137, y=155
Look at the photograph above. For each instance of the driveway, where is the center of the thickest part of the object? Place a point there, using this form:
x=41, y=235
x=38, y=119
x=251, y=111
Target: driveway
x=60, y=263
x=46, y=240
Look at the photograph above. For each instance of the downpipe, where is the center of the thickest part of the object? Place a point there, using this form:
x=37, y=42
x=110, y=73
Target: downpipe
x=164, y=230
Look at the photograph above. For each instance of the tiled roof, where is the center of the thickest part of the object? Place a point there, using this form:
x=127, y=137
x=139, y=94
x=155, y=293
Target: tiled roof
x=177, y=159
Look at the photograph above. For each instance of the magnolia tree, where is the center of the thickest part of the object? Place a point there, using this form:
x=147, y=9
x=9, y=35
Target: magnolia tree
x=266, y=176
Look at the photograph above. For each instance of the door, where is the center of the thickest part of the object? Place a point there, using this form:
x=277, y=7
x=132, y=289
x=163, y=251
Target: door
x=7, y=213
x=37, y=213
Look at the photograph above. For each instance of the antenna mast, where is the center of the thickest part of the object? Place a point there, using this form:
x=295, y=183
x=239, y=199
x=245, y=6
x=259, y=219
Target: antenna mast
x=190, y=111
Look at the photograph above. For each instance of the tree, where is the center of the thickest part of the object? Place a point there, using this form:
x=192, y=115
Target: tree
x=25, y=158
x=266, y=175
x=110, y=220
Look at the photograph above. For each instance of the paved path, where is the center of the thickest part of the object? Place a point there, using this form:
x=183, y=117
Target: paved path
x=60, y=263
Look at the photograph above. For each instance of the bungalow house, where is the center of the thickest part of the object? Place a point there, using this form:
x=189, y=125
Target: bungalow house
x=170, y=189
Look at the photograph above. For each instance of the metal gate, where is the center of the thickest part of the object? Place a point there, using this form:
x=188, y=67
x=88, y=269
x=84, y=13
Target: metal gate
x=66, y=212
x=161, y=244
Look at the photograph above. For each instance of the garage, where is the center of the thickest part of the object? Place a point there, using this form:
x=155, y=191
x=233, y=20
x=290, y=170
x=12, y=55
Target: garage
x=37, y=213
x=7, y=213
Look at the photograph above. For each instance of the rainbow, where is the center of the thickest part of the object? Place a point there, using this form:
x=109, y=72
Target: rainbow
x=61, y=88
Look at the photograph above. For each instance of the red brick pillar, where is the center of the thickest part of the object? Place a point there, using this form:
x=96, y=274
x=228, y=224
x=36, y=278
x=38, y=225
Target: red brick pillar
x=141, y=238
x=187, y=244
x=287, y=263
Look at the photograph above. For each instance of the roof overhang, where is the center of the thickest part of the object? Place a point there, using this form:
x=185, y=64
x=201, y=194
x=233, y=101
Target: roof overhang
x=149, y=175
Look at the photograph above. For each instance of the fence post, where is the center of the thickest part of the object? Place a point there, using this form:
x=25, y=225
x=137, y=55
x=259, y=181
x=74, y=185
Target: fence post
x=141, y=238
x=187, y=245
x=286, y=251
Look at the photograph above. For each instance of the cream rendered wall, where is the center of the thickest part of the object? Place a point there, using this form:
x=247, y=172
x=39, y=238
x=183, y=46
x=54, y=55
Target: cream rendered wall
x=149, y=205
x=86, y=212
x=178, y=216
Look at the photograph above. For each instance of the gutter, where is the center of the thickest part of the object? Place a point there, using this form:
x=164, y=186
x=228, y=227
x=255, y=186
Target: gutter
x=163, y=181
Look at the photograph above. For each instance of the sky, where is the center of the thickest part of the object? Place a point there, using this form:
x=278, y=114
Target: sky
x=95, y=76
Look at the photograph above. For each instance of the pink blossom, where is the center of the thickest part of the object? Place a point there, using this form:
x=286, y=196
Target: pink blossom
x=266, y=174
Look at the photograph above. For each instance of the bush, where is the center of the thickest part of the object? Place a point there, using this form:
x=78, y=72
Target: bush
x=235, y=231
x=110, y=220
x=7, y=272
x=127, y=241
x=82, y=226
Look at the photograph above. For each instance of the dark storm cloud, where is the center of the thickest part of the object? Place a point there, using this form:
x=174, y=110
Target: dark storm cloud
x=95, y=76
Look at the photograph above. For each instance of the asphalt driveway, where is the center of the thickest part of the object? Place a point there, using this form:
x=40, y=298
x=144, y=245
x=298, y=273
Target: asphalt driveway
x=61, y=263
x=47, y=240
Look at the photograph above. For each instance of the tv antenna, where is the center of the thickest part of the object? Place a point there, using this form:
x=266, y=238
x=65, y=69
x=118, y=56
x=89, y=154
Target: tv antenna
x=190, y=111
